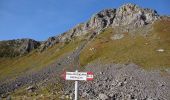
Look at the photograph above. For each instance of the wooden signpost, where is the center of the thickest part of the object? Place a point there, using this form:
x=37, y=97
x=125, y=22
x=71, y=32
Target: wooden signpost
x=78, y=76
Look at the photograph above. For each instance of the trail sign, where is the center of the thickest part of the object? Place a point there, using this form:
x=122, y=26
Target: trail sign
x=76, y=76
x=79, y=76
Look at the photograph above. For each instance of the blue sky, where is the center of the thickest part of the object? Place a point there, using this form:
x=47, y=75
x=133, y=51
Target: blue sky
x=40, y=19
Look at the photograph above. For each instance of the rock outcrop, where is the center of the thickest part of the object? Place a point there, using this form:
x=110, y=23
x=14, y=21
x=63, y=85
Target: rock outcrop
x=27, y=45
x=17, y=47
x=50, y=42
x=101, y=20
x=128, y=16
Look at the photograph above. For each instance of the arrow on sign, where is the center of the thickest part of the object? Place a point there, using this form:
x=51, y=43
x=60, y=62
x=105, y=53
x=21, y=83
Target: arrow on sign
x=90, y=76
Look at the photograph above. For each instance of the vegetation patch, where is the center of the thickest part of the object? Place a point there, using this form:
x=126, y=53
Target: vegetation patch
x=50, y=91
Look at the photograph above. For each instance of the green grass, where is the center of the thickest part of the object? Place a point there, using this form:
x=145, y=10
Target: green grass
x=48, y=92
x=12, y=67
x=137, y=49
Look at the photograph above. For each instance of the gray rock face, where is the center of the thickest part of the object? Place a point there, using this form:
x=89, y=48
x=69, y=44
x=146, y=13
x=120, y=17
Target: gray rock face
x=27, y=45
x=134, y=16
x=101, y=20
x=50, y=42
x=17, y=47
x=128, y=16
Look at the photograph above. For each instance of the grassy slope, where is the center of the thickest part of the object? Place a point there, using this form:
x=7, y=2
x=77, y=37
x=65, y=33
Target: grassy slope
x=49, y=92
x=138, y=49
x=11, y=67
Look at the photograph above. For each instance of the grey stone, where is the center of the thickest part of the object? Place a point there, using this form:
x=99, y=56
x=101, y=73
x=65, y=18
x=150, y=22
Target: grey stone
x=85, y=94
x=117, y=36
x=8, y=97
x=120, y=84
x=31, y=88
x=103, y=96
x=62, y=97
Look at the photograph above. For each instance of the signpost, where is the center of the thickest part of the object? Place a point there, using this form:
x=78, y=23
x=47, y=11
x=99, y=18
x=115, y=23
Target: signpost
x=76, y=85
x=78, y=76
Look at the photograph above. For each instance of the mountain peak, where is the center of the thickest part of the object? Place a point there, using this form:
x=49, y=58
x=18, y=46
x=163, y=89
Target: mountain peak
x=129, y=7
x=129, y=16
x=126, y=17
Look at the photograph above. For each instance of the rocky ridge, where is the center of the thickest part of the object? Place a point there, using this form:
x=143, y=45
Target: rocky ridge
x=17, y=47
x=128, y=16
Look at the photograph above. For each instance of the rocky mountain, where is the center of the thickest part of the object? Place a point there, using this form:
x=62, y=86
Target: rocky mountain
x=128, y=16
x=17, y=47
x=128, y=49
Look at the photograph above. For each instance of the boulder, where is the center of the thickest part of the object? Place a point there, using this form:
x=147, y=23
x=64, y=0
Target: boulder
x=103, y=96
x=31, y=88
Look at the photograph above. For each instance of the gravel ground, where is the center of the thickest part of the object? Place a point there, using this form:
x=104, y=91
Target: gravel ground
x=122, y=82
